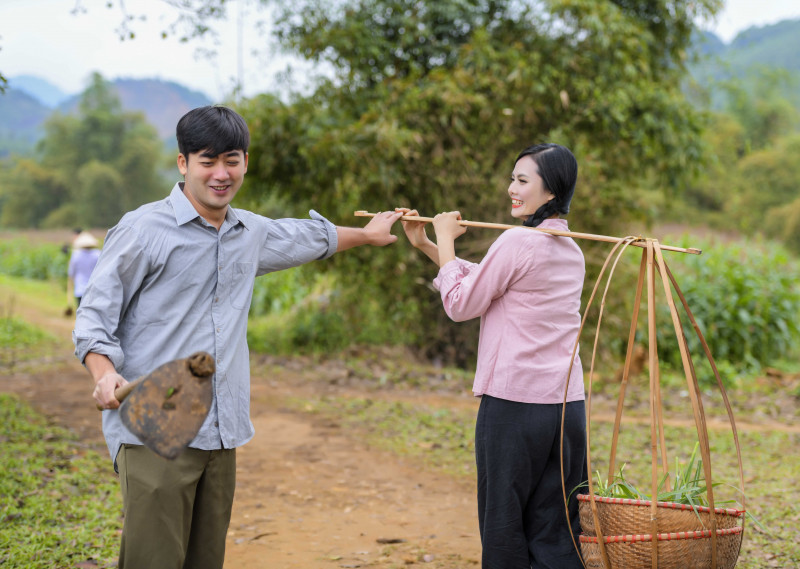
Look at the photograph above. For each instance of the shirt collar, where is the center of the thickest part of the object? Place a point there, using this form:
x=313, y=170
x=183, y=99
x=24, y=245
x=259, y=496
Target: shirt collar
x=185, y=212
x=555, y=223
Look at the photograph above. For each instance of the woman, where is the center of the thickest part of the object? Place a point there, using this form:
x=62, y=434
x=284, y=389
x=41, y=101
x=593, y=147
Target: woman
x=527, y=291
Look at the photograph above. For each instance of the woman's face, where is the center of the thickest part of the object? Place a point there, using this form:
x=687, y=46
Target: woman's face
x=527, y=190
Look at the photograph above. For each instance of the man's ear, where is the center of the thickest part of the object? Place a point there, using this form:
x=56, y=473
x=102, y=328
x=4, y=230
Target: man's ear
x=183, y=165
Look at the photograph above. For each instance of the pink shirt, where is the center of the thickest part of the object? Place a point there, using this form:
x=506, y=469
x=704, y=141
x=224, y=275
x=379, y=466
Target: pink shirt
x=527, y=291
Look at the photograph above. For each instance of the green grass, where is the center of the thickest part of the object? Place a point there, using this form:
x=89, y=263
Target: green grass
x=439, y=438
x=442, y=439
x=20, y=342
x=19, y=291
x=58, y=505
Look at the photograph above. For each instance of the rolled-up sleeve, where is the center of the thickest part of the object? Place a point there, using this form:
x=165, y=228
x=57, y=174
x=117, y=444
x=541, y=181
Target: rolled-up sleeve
x=118, y=274
x=293, y=242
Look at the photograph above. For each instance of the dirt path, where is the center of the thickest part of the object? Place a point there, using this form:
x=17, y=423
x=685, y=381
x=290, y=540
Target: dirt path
x=309, y=494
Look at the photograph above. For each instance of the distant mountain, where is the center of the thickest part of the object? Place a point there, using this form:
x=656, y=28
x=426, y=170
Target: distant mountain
x=776, y=46
x=21, y=119
x=22, y=115
x=162, y=102
x=708, y=44
x=40, y=89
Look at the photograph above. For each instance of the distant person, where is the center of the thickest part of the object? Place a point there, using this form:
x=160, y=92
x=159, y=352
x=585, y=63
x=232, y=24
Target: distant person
x=176, y=276
x=81, y=264
x=527, y=293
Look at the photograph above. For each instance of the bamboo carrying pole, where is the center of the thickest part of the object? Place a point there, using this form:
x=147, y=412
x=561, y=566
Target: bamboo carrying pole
x=637, y=241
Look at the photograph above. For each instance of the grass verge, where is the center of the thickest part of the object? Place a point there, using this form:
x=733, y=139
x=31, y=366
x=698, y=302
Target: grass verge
x=442, y=438
x=58, y=506
x=21, y=342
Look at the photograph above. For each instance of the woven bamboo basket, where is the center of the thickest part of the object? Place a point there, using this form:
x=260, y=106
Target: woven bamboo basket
x=640, y=534
x=683, y=538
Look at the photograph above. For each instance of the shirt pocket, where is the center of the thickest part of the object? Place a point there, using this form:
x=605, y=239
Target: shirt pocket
x=242, y=280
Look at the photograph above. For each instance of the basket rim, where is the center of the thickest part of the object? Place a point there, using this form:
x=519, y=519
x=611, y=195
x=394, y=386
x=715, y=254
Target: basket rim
x=634, y=538
x=671, y=505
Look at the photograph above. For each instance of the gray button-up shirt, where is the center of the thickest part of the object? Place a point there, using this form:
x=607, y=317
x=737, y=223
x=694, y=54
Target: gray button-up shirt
x=168, y=284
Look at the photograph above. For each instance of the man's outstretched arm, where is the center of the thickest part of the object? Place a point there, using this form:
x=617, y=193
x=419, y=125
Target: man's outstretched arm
x=377, y=232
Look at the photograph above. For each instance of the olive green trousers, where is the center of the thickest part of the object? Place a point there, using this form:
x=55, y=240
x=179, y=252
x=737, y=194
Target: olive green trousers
x=176, y=512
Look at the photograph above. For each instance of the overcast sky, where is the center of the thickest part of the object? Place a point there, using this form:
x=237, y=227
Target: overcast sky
x=43, y=38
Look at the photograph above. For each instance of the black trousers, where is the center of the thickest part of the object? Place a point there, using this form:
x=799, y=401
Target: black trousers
x=523, y=522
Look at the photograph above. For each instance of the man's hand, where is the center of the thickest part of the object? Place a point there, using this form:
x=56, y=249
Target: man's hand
x=377, y=232
x=104, y=390
x=106, y=380
x=379, y=228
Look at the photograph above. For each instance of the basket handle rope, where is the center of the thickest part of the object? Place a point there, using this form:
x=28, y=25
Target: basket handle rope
x=626, y=369
x=697, y=405
x=723, y=392
x=624, y=243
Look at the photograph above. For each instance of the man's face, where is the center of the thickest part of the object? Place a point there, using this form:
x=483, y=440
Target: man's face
x=212, y=181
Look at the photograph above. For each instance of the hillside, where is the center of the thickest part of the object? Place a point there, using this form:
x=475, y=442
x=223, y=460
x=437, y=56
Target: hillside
x=22, y=115
x=40, y=89
x=775, y=47
x=21, y=118
x=162, y=102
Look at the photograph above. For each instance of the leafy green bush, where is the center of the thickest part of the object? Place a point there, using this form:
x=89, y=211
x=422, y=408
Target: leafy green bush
x=19, y=258
x=746, y=300
x=306, y=310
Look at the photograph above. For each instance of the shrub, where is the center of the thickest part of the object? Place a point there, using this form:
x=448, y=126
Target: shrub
x=305, y=310
x=746, y=300
x=19, y=258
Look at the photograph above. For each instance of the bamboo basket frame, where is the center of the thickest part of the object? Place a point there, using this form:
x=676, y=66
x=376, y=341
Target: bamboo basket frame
x=653, y=263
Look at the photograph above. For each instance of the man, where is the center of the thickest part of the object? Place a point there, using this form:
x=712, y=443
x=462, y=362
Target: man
x=176, y=276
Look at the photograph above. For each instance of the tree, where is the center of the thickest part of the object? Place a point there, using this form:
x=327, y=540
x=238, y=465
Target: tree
x=429, y=102
x=89, y=169
x=762, y=111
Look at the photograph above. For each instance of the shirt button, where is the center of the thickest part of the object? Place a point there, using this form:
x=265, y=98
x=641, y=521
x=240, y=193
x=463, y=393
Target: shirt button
x=216, y=423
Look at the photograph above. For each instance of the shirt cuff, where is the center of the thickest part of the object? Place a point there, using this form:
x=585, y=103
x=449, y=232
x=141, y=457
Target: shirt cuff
x=330, y=228
x=446, y=273
x=84, y=345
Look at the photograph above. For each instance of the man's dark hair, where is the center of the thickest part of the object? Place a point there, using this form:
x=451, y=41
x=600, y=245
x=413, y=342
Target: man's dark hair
x=213, y=130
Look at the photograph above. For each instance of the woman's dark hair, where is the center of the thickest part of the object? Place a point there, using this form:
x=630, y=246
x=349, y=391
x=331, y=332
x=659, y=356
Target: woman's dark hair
x=213, y=130
x=559, y=172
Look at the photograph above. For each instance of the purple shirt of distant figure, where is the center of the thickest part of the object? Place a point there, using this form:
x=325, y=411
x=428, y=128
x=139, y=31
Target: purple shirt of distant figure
x=82, y=262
